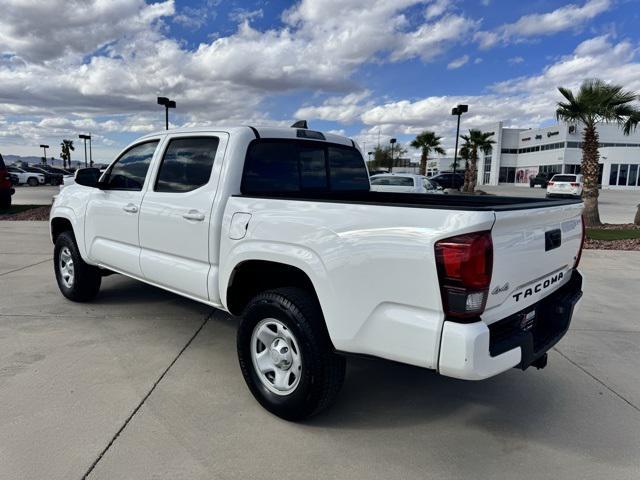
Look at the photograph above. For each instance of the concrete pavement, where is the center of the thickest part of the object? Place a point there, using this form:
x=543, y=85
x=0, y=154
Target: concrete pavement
x=40, y=195
x=144, y=384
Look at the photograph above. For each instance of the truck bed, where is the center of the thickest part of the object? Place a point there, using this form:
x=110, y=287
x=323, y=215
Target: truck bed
x=421, y=200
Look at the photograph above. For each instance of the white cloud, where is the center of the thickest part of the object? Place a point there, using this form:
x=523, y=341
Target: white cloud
x=240, y=15
x=564, y=18
x=437, y=8
x=341, y=109
x=458, y=62
x=40, y=31
x=515, y=60
x=194, y=18
x=432, y=39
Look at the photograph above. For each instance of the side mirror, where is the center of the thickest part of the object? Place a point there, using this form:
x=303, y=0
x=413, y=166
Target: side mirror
x=88, y=177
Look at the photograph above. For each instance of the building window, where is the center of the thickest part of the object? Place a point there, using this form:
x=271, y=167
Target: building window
x=613, y=175
x=487, y=169
x=633, y=175
x=622, y=174
x=550, y=168
x=507, y=175
x=575, y=169
x=509, y=150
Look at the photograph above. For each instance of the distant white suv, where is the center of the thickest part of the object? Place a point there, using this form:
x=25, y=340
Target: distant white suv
x=403, y=183
x=565, y=185
x=30, y=178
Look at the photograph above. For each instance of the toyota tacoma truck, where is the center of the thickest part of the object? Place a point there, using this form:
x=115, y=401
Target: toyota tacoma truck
x=279, y=226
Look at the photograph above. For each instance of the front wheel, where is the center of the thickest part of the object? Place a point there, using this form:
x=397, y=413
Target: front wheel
x=286, y=356
x=77, y=280
x=32, y=181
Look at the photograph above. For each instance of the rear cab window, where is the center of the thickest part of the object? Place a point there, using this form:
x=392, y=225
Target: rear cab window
x=294, y=166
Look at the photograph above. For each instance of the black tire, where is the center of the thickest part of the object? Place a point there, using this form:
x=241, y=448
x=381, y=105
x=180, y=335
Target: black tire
x=5, y=202
x=322, y=371
x=33, y=181
x=87, y=278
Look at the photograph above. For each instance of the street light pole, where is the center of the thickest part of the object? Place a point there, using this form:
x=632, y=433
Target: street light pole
x=392, y=141
x=90, y=153
x=85, y=138
x=167, y=105
x=45, y=152
x=459, y=110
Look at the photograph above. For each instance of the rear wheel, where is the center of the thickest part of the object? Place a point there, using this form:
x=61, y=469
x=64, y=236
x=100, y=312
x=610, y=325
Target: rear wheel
x=32, y=181
x=285, y=354
x=77, y=280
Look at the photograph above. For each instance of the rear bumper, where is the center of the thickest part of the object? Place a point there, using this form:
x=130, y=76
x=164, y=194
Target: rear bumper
x=475, y=351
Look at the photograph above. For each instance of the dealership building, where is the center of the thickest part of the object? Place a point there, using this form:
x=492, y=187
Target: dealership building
x=521, y=153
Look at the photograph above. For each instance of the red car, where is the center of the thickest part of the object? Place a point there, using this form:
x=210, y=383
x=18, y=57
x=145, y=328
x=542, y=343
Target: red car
x=6, y=189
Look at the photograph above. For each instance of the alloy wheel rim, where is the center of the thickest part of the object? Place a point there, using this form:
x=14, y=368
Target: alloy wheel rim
x=276, y=356
x=67, y=270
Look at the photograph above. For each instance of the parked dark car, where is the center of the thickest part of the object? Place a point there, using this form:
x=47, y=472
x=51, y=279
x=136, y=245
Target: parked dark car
x=51, y=178
x=6, y=187
x=541, y=179
x=448, y=180
x=52, y=169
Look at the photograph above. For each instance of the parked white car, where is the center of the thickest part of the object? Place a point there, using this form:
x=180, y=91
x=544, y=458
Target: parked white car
x=279, y=226
x=32, y=179
x=403, y=182
x=564, y=184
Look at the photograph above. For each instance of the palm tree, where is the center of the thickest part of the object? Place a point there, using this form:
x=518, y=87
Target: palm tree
x=474, y=142
x=464, y=153
x=65, y=154
x=428, y=142
x=595, y=102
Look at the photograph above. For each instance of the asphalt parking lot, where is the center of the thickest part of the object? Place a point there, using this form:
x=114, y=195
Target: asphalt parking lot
x=144, y=384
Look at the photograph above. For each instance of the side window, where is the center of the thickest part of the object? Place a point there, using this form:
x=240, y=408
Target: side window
x=186, y=164
x=130, y=170
x=347, y=170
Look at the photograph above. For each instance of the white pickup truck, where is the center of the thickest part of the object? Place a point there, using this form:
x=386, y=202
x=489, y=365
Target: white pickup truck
x=279, y=226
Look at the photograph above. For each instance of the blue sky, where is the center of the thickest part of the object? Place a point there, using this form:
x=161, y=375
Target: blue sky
x=357, y=67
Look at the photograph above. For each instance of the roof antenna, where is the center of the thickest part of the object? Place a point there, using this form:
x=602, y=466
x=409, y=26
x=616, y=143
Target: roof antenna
x=300, y=124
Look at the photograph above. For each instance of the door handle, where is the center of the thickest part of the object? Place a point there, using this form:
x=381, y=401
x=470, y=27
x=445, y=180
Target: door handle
x=130, y=208
x=193, y=215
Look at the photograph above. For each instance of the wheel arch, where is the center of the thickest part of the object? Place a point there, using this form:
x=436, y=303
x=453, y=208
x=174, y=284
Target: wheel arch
x=250, y=277
x=59, y=225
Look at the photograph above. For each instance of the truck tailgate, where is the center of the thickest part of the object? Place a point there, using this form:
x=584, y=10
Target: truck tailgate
x=534, y=254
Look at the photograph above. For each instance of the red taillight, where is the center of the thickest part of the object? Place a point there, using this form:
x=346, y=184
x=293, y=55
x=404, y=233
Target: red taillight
x=577, y=262
x=549, y=183
x=465, y=263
